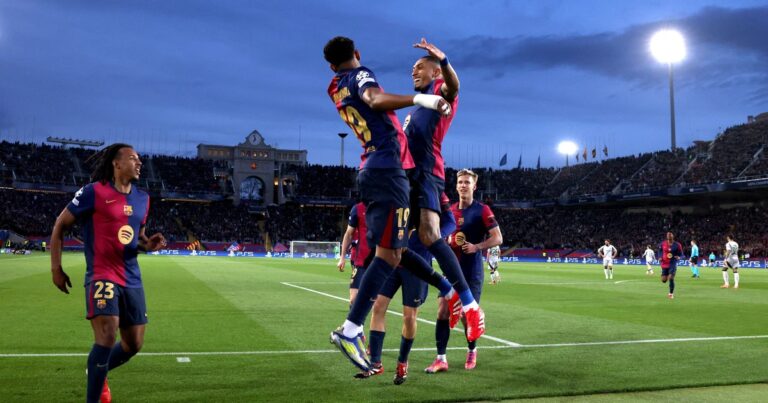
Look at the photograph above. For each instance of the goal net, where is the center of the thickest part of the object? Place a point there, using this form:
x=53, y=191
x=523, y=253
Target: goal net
x=314, y=249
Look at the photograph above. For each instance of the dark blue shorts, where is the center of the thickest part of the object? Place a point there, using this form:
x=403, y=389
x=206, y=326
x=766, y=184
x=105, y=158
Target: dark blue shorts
x=694, y=260
x=414, y=289
x=385, y=194
x=474, y=276
x=108, y=298
x=670, y=271
x=357, y=276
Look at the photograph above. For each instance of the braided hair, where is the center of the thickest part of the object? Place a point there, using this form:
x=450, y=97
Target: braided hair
x=101, y=162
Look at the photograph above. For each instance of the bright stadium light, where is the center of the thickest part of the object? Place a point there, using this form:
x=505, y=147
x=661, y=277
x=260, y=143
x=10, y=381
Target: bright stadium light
x=668, y=46
x=568, y=148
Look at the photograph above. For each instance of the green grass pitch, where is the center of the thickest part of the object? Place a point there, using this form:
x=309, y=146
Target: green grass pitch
x=257, y=330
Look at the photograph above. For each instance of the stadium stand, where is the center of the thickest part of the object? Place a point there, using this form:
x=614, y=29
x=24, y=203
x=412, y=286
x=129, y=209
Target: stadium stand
x=540, y=210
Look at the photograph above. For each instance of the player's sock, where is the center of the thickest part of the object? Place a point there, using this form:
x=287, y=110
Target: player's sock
x=725, y=277
x=442, y=357
x=405, y=349
x=416, y=264
x=671, y=286
x=606, y=273
x=376, y=344
x=451, y=269
x=735, y=279
x=118, y=356
x=374, y=277
x=471, y=345
x=610, y=273
x=442, y=334
x=98, y=365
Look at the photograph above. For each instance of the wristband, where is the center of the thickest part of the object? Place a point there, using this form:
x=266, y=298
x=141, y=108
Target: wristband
x=444, y=62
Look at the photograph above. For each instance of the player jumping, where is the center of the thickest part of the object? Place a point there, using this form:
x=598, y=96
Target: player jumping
x=114, y=214
x=384, y=188
x=414, y=293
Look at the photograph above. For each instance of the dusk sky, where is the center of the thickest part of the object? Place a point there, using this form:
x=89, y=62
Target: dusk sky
x=168, y=75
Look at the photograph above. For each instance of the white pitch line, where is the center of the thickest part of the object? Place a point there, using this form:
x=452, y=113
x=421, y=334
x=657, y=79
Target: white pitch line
x=485, y=336
x=647, y=341
x=501, y=347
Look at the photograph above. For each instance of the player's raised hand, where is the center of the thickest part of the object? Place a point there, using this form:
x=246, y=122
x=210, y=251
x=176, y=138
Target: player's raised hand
x=155, y=242
x=61, y=280
x=342, y=263
x=430, y=48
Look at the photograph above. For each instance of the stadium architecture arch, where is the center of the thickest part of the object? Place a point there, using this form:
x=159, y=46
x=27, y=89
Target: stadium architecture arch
x=255, y=166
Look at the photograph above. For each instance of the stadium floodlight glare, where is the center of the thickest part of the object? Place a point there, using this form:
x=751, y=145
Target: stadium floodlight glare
x=668, y=46
x=568, y=148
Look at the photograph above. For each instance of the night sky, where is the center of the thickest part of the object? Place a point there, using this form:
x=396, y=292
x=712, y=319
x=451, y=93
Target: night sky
x=167, y=75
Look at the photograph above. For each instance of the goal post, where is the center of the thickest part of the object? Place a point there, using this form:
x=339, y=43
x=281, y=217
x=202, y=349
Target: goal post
x=315, y=249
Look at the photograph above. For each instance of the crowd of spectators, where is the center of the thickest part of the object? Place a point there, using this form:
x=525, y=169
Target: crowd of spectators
x=608, y=175
x=184, y=174
x=732, y=152
x=38, y=163
x=324, y=181
x=33, y=214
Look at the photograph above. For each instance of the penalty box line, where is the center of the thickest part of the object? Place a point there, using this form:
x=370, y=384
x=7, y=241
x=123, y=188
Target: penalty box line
x=485, y=336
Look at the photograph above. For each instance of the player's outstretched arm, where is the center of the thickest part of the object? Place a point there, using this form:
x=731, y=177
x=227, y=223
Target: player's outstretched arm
x=60, y=279
x=379, y=100
x=451, y=86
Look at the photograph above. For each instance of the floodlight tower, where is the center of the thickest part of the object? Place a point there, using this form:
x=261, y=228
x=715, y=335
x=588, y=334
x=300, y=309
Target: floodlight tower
x=668, y=46
x=567, y=147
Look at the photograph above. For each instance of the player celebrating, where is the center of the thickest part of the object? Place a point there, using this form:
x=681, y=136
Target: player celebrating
x=384, y=188
x=414, y=293
x=607, y=252
x=476, y=229
x=493, y=256
x=649, y=257
x=354, y=240
x=114, y=214
x=671, y=251
x=694, y=259
x=425, y=128
x=731, y=261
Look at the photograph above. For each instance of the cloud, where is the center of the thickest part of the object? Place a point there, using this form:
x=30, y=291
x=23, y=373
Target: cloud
x=727, y=47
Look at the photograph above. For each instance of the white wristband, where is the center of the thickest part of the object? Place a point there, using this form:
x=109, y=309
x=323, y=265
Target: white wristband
x=432, y=102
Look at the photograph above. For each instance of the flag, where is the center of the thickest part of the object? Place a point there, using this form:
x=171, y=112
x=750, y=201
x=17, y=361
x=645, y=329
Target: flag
x=584, y=156
x=538, y=162
x=520, y=161
x=605, y=150
x=577, y=157
x=503, y=160
x=594, y=152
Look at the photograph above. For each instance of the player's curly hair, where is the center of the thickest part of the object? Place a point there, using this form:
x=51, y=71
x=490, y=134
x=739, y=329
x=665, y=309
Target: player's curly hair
x=339, y=50
x=101, y=162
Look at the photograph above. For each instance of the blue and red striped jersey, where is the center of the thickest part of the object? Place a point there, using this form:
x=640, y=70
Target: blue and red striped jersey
x=384, y=143
x=425, y=129
x=112, y=224
x=357, y=221
x=472, y=225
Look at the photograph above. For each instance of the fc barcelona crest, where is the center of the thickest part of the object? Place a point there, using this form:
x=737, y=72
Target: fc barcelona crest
x=128, y=210
x=101, y=304
x=460, y=222
x=400, y=234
